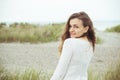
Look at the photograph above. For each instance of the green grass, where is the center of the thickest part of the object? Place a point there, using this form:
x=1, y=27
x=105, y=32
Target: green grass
x=24, y=32
x=110, y=73
x=99, y=40
x=28, y=74
x=114, y=29
x=113, y=74
x=96, y=75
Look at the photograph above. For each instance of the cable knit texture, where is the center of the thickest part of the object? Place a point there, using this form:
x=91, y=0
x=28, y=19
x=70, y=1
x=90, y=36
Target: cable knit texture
x=74, y=61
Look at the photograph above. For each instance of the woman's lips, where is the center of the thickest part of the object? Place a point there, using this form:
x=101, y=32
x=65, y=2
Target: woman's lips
x=72, y=34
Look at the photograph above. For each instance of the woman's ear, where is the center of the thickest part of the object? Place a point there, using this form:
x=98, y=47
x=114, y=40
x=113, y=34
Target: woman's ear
x=86, y=29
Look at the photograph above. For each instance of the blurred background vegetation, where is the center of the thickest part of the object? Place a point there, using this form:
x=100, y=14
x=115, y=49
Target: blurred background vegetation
x=28, y=74
x=25, y=32
x=114, y=29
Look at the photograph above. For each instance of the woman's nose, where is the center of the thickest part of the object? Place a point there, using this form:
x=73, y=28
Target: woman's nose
x=71, y=29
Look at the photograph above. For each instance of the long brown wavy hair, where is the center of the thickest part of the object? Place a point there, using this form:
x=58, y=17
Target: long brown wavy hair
x=86, y=22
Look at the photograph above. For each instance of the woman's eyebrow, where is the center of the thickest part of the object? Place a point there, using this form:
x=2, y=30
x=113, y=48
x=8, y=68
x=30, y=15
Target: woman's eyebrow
x=73, y=25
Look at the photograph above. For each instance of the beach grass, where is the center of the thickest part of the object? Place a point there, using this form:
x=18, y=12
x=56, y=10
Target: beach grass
x=99, y=40
x=25, y=32
x=112, y=72
x=28, y=74
x=114, y=29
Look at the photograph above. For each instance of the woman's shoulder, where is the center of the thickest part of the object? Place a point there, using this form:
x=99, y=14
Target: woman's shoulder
x=75, y=40
x=76, y=43
x=69, y=39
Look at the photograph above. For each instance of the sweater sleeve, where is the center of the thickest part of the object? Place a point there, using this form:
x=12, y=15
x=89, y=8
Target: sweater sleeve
x=64, y=61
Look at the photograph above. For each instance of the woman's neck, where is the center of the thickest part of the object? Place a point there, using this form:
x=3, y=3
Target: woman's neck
x=84, y=38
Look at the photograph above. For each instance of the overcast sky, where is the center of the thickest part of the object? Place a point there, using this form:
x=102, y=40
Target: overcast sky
x=57, y=10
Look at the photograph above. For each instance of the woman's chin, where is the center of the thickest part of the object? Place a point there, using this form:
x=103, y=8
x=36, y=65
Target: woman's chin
x=72, y=36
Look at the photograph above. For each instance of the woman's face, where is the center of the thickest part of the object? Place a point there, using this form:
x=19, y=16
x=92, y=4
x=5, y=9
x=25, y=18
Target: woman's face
x=76, y=28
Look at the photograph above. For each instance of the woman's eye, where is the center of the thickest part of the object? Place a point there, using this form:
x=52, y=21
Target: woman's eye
x=76, y=27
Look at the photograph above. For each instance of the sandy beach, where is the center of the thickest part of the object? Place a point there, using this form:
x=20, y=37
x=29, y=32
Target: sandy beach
x=20, y=56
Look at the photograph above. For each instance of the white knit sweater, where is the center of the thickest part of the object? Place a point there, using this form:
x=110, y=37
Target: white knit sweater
x=74, y=61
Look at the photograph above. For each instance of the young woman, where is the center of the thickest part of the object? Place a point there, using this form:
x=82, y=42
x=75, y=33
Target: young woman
x=77, y=47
